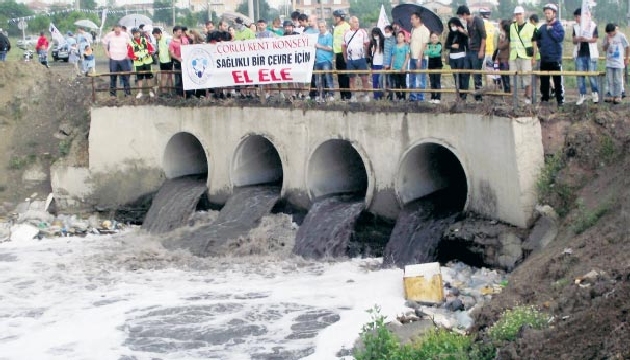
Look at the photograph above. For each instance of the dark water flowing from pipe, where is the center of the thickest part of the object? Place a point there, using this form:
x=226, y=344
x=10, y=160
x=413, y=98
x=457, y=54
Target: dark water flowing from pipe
x=419, y=228
x=241, y=213
x=328, y=227
x=174, y=203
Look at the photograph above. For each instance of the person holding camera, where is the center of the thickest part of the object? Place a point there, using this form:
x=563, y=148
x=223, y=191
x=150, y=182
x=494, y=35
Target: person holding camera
x=522, y=53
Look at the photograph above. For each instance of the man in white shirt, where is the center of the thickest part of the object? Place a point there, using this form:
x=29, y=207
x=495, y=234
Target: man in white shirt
x=419, y=39
x=355, y=46
x=116, y=45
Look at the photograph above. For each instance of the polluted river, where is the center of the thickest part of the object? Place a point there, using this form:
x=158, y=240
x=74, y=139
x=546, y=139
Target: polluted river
x=246, y=282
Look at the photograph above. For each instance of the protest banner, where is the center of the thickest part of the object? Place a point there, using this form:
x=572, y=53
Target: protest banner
x=287, y=59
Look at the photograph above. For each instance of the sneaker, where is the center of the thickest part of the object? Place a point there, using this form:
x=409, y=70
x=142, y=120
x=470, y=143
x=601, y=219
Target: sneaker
x=595, y=97
x=581, y=100
x=353, y=99
x=139, y=95
x=331, y=98
x=366, y=98
x=151, y=94
x=436, y=101
x=617, y=100
x=526, y=101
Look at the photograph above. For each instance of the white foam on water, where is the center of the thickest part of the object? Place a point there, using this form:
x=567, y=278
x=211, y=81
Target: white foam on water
x=85, y=298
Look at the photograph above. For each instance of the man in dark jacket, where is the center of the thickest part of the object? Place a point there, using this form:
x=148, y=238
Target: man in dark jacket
x=475, y=29
x=549, y=41
x=5, y=46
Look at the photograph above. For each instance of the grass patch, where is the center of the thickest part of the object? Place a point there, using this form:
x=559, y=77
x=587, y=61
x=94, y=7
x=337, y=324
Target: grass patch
x=443, y=344
x=588, y=217
x=378, y=342
x=17, y=162
x=512, y=321
x=549, y=191
x=607, y=150
x=64, y=147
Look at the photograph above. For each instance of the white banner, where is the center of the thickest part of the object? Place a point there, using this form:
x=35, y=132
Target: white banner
x=586, y=25
x=287, y=59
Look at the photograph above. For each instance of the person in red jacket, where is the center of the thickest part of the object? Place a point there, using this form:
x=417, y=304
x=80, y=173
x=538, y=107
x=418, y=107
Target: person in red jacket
x=141, y=52
x=42, y=48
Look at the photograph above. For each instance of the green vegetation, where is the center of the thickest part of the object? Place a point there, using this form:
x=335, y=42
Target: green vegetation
x=551, y=192
x=588, y=217
x=64, y=147
x=607, y=150
x=18, y=162
x=380, y=344
x=511, y=322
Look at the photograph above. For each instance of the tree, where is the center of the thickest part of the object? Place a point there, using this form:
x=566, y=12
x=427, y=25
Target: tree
x=88, y=4
x=10, y=9
x=266, y=12
x=609, y=11
x=368, y=10
x=165, y=14
x=505, y=9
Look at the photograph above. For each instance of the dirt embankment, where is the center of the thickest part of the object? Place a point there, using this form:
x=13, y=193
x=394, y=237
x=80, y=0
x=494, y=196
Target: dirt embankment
x=588, y=166
x=44, y=118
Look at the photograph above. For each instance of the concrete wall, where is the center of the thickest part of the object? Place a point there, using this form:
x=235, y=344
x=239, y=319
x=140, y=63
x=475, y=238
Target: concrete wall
x=501, y=157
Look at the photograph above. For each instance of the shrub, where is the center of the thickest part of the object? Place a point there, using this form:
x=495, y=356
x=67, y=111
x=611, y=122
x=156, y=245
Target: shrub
x=443, y=344
x=378, y=342
x=511, y=322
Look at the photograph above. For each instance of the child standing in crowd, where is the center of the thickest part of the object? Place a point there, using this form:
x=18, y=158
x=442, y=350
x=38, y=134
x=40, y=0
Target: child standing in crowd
x=617, y=52
x=400, y=60
x=377, y=47
x=88, y=60
x=434, y=53
x=73, y=58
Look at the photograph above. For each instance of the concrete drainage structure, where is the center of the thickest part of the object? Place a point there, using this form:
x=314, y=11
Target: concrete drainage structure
x=393, y=158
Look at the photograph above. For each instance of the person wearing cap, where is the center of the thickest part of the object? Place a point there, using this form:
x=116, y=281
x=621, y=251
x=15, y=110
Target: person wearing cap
x=585, y=54
x=522, y=51
x=549, y=42
x=289, y=29
x=116, y=46
x=341, y=26
x=476, y=53
x=242, y=32
x=5, y=46
x=617, y=49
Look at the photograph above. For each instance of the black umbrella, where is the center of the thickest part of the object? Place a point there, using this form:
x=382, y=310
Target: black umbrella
x=402, y=16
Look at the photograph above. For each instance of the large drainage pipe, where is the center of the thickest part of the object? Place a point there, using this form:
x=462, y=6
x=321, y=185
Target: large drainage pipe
x=427, y=168
x=184, y=155
x=256, y=161
x=336, y=167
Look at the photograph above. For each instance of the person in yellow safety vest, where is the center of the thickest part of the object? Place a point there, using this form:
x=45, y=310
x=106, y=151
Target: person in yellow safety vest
x=522, y=49
x=141, y=53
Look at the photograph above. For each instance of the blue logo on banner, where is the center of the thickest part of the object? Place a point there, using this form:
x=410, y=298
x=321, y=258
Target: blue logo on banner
x=199, y=66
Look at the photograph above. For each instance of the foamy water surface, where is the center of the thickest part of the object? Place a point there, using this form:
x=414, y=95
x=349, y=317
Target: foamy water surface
x=126, y=297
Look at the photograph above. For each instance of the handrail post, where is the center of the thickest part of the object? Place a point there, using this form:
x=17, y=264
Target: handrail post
x=93, y=89
x=457, y=96
x=602, y=94
x=534, y=86
x=515, y=91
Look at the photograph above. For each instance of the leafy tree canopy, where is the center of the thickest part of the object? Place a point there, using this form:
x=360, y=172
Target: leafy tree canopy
x=368, y=11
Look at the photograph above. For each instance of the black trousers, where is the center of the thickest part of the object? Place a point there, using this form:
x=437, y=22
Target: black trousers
x=557, y=81
x=435, y=80
x=399, y=81
x=342, y=79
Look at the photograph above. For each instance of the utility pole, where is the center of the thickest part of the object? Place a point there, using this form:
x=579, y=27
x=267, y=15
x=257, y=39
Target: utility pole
x=257, y=11
x=250, y=7
x=209, y=11
x=173, y=1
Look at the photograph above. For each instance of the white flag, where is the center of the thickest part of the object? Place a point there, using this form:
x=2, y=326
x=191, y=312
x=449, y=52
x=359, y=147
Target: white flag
x=56, y=35
x=103, y=17
x=586, y=25
x=383, y=20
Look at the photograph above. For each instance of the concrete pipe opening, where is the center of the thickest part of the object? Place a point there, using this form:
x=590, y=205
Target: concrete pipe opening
x=428, y=168
x=256, y=161
x=336, y=168
x=184, y=155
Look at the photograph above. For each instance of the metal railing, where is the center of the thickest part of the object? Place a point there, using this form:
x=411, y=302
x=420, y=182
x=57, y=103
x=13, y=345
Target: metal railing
x=514, y=77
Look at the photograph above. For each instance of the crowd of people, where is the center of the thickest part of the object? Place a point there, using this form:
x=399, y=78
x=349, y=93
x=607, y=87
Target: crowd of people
x=470, y=42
